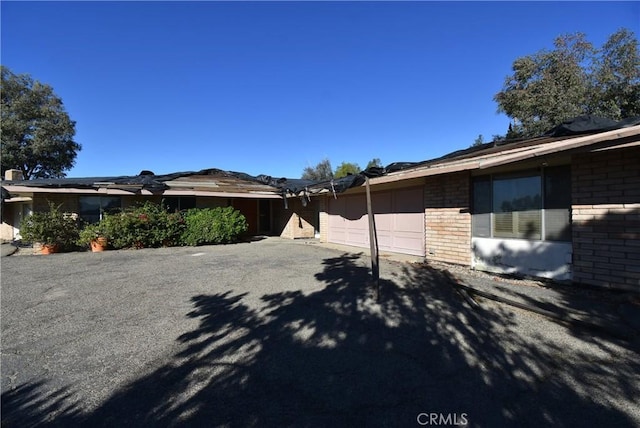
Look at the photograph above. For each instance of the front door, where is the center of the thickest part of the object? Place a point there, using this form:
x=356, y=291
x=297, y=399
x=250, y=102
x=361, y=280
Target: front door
x=264, y=216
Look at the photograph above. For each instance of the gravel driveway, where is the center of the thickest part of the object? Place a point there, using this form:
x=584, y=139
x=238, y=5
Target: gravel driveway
x=286, y=333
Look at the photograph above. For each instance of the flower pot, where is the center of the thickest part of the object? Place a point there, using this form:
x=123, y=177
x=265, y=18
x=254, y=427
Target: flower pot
x=99, y=244
x=50, y=248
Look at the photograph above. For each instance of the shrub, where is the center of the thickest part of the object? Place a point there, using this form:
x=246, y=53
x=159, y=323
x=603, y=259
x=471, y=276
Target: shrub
x=213, y=226
x=144, y=225
x=91, y=232
x=50, y=228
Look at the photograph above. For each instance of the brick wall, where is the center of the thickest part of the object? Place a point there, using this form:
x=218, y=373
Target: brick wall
x=323, y=207
x=606, y=218
x=448, y=219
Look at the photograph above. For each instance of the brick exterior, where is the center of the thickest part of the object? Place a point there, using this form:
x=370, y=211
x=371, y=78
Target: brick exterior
x=448, y=219
x=606, y=218
x=323, y=207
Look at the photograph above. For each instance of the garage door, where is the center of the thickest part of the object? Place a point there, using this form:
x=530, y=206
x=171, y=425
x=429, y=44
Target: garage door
x=399, y=220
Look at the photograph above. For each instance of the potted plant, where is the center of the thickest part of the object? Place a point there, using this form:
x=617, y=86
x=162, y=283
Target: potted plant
x=95, y=235
x=53, y=229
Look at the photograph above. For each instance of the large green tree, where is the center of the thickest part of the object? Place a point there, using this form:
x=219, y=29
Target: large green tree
x=346, y=168
x=37, y=133
x=321, y=172
x=573, y=79
x=616, y=77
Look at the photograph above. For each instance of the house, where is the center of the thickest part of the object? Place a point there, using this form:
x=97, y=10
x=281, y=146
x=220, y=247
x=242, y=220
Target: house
x=259, y=199
x=564, y=206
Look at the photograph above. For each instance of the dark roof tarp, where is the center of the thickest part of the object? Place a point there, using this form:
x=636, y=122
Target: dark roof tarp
x=589, y=124
x=290, y=186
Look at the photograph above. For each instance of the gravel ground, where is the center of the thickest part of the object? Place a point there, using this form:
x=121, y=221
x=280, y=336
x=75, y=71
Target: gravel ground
x=281, y=333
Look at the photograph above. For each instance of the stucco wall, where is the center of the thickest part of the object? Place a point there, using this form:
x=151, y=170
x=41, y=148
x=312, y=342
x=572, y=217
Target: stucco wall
x=543, y=259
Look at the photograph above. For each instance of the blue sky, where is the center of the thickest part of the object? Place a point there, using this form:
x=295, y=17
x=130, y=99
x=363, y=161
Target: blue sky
x=272, y=87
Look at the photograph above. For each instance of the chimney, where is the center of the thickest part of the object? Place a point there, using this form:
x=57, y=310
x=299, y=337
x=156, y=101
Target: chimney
x=13, y=175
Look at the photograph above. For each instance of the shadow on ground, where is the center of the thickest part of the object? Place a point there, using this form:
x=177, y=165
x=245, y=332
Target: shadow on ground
x=336, y=358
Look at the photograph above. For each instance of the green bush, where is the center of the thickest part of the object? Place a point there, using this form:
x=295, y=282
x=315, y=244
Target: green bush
x=50, y=227
x=146, y=225
x=213, y=226
x=91, y=232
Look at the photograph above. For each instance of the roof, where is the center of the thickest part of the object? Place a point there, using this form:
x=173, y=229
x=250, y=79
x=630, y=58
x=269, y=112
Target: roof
x=584, y=132
x=490, y=155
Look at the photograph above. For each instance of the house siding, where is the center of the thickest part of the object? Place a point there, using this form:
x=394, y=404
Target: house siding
x=606, y=218
x=67, y=203
x=297, y=221
x=447, y=218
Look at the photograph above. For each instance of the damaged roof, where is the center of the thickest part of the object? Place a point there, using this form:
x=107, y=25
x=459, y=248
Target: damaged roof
x=578, y=132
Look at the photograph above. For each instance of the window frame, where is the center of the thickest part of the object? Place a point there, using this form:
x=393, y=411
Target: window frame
x=173, y=203
x=562, y=209
x=102, y=207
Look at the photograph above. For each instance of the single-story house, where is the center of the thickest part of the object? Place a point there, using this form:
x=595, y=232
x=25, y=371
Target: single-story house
x=564, y=206
x=259, y=199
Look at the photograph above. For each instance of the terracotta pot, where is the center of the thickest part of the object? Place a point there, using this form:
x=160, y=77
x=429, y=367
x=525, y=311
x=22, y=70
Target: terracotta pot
x=50, y=248
x=99, y=244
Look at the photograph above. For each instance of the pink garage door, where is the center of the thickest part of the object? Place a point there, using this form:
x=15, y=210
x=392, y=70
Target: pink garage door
x=399, y=216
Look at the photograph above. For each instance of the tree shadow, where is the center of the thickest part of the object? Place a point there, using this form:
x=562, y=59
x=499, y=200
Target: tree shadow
x=604, y=290
x=30, y=405
x=335, y=357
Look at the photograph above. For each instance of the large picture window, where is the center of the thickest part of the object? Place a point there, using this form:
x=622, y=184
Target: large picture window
x=93, y=207
x=532, y=205
x=179, y=203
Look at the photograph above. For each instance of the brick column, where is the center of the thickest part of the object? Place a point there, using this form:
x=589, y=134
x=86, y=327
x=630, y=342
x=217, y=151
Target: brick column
x=606, y=218
x=448, y=219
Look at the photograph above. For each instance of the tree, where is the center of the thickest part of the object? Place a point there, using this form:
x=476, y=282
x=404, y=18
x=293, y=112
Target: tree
x=478, y=141
x=374, y=163
x=37, y=133
x=616, y=77
x=321, y=172
x=346, y=168
x=550, y=87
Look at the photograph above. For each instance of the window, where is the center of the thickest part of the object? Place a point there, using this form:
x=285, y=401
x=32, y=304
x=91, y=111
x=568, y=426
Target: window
x=481, y=219
x=179, y=203
x=93, y=207
x=517, y=201
x=530, y=205
x=557, y=204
